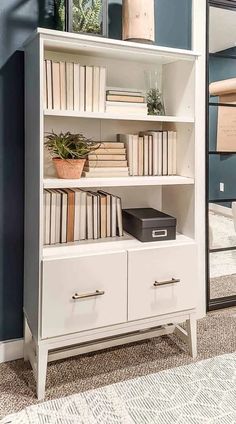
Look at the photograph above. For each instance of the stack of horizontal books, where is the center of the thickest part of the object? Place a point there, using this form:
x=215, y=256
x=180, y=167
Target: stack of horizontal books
x=73, y=215
x=125, y=101
x=109, y=160
x=151, y=152
x=71, y=86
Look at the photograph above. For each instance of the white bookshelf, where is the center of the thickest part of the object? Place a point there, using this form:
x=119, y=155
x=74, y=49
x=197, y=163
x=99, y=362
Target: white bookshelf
x=123, y=270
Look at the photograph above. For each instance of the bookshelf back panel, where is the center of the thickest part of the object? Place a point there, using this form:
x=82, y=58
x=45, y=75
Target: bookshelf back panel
x=175, y=80
x=106, y=130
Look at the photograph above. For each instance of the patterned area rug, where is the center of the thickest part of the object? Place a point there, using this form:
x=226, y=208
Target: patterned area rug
x=200, y=393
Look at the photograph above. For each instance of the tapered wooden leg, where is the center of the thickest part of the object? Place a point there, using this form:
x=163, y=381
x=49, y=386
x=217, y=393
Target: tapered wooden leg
x=27, y=339
x=192, y=335
x=41, y=374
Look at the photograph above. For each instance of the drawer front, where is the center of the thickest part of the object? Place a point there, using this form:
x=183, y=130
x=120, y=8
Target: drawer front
x=151, y=291
x=83, y=293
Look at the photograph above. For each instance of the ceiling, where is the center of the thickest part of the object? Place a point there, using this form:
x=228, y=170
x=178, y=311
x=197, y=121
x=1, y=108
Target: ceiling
x=222, y=29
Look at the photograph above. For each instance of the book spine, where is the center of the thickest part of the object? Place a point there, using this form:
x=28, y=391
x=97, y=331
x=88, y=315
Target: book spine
x=76, y=86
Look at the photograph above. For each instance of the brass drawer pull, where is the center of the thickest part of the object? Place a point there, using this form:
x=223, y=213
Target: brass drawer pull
x=165, y=283
x=86, y=295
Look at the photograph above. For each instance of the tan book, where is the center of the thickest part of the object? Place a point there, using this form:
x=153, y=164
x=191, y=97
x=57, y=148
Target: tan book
x=89, y=89
x=76, y=86
x=102, y=89
x=69, y=86
x=82, y=89
x=135, y=154
x=145, y=155
x=63, y=84
x=106, y=163
x=165, y=153
x=108, y=208
x=103, y=215
x=49, y=83
x=99, y=170
x=111, y=145
x=70, y=214
x=111, y=174
x=128, y=141
x=150, y=155
x=140, y=156
x=89, y=213
x=106, y=157
x=56, y=89
x=119, y=217
x=63, y=223
x=96, y=88
x=127, y=99
x=45, y=86
x=112, y=152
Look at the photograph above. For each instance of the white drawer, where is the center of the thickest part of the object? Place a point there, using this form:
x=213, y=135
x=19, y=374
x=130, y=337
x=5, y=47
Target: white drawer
x=102, y=279
x=150, y=270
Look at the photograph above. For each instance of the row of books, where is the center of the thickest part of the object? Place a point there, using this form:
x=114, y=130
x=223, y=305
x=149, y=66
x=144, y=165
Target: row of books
x=71, y=86
x=73, y=215
x=125, y=101
x=151, y=152
x=109, y=160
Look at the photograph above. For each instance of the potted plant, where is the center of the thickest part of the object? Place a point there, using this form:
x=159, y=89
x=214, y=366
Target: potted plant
x=69, y=152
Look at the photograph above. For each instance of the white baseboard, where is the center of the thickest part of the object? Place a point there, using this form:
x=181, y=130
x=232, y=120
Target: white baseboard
x=11, y=350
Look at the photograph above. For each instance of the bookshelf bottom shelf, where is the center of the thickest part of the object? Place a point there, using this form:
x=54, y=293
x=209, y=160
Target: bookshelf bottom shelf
x=113, y=244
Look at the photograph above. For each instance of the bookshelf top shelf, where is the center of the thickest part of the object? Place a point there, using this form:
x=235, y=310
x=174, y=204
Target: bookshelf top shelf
x=118, y=182
x=116, y=49
x=114, y=244
x=117, y=116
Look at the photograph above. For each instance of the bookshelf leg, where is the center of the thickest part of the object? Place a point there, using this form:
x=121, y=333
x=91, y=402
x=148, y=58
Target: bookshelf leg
x=42, y=360
x=27, y=339
x=192, y=335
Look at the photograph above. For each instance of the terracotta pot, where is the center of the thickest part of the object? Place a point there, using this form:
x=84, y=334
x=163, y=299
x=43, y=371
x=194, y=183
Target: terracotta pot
x=69, y=168
x=138, y=20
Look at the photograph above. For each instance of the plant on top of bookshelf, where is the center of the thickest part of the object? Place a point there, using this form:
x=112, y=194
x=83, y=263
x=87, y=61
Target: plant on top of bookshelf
x=87, y=16
x=69, y=152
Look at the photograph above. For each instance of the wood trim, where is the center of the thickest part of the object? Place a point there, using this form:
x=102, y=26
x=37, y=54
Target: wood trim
x=11, y=350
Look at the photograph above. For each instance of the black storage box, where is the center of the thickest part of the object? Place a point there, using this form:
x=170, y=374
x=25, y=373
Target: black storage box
x=147, y=224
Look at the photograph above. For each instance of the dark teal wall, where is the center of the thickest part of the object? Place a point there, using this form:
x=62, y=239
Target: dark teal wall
x=222, y=168
x=18, y=18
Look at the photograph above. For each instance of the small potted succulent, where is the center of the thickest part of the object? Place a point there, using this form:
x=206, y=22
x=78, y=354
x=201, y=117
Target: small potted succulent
x=69, y=152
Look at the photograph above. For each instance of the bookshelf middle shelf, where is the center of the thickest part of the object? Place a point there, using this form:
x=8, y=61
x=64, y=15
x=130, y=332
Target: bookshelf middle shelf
x=51, y=183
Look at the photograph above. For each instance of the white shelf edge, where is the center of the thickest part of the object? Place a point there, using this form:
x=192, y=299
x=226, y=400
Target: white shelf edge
x=110, y=245
x=109, y=43
x=123, y=117
x=118, y=182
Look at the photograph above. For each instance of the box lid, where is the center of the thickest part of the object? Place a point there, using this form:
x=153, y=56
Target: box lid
x=151, y=218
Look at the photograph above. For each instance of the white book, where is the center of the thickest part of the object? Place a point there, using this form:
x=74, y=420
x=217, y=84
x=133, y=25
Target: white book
x=58, y=217
x=45, y=103
x=165, y=153
x=63, y=84
x=76, y=86
x=113, y=216
x=49, y=83
x=89, y=211
x=96, y=88
x=135, y=154
x=170, y=152
x=109, y=213
x=140, y=156
x=95, y=202
x=77, y=214
x=102, y=170
x=128, y=105
x=83, y=214
x=127, y=139
x=102, y=89
x=53, y=217
x=82, y=89
x=56, y=89
x=89, y=89
x=150, y=155
x=64, y=207
x=91, y=174
x=145, y=154
x=47, y=215
x=160, y=153
x=174, y=164
x=154, y=153
x=69, y=86
x=119, y=217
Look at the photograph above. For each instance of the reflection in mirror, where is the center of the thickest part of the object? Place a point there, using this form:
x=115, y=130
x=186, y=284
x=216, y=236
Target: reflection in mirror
x=222, y=225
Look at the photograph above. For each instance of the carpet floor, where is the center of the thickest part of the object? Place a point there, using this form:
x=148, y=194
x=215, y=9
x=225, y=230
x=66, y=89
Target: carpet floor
x=216, y=336
x=223, y=286
x=199, y=393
